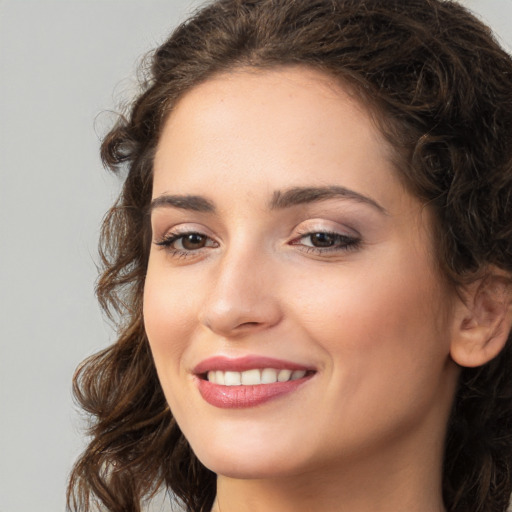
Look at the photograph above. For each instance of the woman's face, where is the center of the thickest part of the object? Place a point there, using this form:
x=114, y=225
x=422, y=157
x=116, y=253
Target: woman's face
x=292, y=304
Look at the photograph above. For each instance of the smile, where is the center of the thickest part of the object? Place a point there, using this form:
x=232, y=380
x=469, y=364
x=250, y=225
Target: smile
x=254, y=377
x=248, y=381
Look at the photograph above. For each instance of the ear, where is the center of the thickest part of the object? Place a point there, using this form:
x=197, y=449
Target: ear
x=483, y=320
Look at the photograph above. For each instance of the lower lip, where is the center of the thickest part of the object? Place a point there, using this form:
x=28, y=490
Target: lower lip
x=239, y=397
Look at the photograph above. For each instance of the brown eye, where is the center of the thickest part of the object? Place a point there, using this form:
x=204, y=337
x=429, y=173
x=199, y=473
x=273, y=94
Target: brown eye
x=193, y=241
x=186, y=242
x=322, y=239
x=322, y=242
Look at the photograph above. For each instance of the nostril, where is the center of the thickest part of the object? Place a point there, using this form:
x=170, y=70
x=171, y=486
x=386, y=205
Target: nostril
x=236, y=315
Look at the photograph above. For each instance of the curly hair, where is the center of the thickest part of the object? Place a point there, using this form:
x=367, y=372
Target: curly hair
x=440, y=89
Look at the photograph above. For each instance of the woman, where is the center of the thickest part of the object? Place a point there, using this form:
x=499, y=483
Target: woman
x=311, y=264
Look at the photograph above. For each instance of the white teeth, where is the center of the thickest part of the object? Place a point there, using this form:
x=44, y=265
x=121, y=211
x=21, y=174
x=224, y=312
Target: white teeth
x=268, y=376
x=254, y=377
x=284, y=375
x=298, y=374
x=251, y=377
x=232, y=379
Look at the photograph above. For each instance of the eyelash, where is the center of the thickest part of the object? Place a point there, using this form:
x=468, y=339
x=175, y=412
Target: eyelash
x=343, y=243
x=169, y=239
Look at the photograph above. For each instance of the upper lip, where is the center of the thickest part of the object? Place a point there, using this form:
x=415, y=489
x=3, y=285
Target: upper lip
x=241, y=364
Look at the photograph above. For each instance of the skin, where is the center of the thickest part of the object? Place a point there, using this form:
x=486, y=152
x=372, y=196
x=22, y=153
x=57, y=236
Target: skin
x=373, y=317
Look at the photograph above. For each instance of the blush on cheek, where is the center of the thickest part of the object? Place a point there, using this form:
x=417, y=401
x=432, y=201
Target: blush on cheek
x=157, y=312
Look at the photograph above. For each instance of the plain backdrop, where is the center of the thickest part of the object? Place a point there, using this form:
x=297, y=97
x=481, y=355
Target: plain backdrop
x=63, y=65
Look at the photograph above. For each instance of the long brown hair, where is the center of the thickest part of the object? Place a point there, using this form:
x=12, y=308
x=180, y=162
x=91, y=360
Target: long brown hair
x=441, y=91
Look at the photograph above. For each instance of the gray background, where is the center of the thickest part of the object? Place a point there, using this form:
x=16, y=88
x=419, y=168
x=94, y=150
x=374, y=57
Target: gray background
x=62, y=63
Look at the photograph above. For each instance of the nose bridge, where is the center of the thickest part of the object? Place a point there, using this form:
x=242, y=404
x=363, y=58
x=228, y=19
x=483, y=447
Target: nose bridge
x=241, y=297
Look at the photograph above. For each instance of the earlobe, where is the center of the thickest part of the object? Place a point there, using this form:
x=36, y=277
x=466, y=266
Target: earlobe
x=482, y=321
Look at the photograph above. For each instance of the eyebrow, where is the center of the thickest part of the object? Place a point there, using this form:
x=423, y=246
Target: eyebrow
x=281, y=199
x=303, y=195
x=185, y=202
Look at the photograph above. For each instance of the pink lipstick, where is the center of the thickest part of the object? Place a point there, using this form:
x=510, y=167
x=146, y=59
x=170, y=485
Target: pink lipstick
x=248, y=381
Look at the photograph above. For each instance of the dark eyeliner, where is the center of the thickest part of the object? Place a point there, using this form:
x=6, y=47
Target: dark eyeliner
x=168, y=239
x=344, y=243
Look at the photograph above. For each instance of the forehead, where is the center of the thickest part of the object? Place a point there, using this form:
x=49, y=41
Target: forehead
x=289, y=125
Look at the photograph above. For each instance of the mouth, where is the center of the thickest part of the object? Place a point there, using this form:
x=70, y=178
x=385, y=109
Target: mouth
x=249, y=381
x=253, y=377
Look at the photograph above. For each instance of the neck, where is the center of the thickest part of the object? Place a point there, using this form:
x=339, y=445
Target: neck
x=309, y=493
x=404, y=481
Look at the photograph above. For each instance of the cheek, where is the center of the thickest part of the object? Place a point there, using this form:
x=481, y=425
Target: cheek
x=166, y=319
x=169, y=328
x=389, y=319
x=386, y=341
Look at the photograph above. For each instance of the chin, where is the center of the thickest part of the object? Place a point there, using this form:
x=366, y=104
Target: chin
x=253, y=461
x=237, y=468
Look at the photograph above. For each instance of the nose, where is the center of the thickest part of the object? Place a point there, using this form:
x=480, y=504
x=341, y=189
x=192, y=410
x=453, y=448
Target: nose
x=242, y=296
